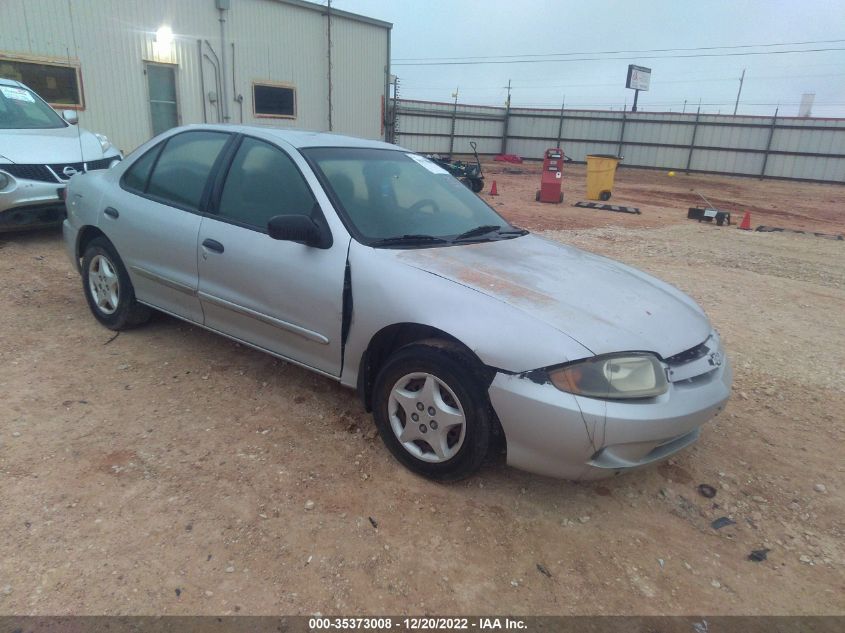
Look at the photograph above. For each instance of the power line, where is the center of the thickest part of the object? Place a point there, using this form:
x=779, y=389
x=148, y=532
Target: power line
x=604, y=59
x=645, y=50
x=543, y=86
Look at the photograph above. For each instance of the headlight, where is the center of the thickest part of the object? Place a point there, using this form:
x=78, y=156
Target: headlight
x=4, y=180
x=104, y=141
x=617, y=377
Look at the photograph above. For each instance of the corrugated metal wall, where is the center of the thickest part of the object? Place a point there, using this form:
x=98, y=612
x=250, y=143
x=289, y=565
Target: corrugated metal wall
x=111, y=40
x=792, y=148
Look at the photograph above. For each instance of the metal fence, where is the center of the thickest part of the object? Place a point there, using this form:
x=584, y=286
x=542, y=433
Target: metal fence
x=811, y=149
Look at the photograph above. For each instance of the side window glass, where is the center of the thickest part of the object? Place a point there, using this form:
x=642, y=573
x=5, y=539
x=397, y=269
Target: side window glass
x=183, y=168
x=137, y=175
x=263, y=182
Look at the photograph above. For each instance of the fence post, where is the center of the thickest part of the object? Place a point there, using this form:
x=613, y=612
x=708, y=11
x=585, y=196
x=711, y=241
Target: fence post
x=622, y=132
x=692, y=141
x=769, y=143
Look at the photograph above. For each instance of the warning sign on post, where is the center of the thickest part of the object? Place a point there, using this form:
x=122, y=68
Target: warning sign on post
x=639, y=77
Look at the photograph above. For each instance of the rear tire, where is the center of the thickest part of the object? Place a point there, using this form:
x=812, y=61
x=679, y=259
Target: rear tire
x=477, y=185
x=431, y=411
x=108, y=289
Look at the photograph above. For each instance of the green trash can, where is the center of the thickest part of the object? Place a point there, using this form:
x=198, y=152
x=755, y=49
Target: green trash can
x=601, y=172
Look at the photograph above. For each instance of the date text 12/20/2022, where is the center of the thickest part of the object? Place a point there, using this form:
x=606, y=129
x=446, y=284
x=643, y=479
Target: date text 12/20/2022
x=417, y=624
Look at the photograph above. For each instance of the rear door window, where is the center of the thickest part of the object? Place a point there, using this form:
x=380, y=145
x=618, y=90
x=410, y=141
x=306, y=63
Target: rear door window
x=181, y=173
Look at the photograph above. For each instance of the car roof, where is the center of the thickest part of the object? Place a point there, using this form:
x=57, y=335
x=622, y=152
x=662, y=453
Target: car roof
x=301, y=138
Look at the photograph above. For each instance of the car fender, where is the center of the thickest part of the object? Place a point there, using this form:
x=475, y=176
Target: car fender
x=386, y=291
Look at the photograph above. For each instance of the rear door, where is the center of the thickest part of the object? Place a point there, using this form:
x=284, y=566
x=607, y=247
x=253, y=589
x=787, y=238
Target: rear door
x=281, y=296
x=153, y=219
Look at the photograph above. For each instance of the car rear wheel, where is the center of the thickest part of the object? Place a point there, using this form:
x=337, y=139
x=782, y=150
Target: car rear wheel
x=431, y=411
x=108, y=289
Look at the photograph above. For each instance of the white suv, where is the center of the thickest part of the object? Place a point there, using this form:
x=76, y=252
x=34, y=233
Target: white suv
x=39, y=152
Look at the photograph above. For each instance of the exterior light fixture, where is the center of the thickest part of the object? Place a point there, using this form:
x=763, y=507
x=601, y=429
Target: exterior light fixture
x=164, y=37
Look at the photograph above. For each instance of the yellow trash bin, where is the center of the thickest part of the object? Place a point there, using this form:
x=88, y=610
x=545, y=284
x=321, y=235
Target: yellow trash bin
x=601, y=170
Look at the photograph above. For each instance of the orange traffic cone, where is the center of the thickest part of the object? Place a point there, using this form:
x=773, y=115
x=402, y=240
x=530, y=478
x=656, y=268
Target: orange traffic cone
x=493, y=190
x=745, y=225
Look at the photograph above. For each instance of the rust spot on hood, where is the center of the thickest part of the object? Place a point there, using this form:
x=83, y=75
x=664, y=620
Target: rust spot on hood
x=490, y=280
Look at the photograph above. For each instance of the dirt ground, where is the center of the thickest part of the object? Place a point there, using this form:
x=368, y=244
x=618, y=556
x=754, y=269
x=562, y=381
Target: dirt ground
x=664, y=199
x=169, y=470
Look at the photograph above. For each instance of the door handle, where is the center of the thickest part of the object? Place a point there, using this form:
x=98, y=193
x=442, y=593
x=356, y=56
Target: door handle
x=111, y=212
x=213, y=245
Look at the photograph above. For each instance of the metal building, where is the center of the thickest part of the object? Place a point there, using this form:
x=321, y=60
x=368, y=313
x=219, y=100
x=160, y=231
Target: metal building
x=134, y=68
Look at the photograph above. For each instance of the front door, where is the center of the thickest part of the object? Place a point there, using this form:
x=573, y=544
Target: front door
x=281, y=296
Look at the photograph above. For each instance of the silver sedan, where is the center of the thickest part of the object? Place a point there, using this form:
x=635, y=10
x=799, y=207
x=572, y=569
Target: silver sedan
x=369, y=264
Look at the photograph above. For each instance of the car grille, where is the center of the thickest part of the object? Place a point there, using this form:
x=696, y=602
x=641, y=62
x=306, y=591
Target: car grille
x=687, y=356
x=59, y=170
x=30, y=172
x=103, y=163
x=54, y=172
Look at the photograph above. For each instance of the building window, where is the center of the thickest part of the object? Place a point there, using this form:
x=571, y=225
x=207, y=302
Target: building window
x=274, y=100
x=60, y=85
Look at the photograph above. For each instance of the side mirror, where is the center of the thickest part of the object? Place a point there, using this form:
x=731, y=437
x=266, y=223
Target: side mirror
x=70, y=116
x=296, y=228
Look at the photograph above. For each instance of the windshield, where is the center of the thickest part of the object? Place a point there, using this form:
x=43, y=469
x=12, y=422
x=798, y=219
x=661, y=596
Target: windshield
x=22, y=109
x=402, y=198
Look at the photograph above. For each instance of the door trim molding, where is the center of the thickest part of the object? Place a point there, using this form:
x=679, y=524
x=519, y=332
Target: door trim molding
x=175, y=285
x=243, y=342
x=310, y=335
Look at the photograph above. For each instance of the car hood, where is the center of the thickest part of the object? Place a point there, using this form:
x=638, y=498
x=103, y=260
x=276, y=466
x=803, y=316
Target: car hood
x=604, y=305
x=70, y=144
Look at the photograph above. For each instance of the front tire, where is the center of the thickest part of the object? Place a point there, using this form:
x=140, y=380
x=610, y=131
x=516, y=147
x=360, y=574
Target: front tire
x=431, y=411
x=108, y=289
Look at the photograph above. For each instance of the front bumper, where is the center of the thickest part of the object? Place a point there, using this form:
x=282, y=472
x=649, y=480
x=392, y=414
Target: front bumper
x=550, y=432
x=30, y=203
x=26, y=202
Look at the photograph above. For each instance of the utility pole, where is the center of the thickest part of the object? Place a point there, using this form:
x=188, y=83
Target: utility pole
x=454, y=116
x=560, y=123
x=739, y=92
x=329, y=18
x=507, y=116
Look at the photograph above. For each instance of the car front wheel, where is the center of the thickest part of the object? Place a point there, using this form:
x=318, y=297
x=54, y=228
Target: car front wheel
x=431, y=411
x=108, y=289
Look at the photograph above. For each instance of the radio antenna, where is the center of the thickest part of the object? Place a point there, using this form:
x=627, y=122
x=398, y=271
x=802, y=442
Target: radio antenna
x=78, y=131
x=78, y=85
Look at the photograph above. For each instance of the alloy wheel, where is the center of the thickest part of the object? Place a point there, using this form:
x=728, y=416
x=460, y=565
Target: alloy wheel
x=104, y=284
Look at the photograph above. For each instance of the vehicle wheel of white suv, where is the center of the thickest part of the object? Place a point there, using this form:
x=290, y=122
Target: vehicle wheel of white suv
x=108, y=289
x=431, y=411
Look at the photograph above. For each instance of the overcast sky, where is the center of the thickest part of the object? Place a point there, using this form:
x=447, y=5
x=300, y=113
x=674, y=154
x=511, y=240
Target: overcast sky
x=495, y=28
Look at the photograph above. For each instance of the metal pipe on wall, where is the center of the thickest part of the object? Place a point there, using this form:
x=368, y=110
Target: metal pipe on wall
x=329, y=44
x=222, y=7
x=202, y=83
